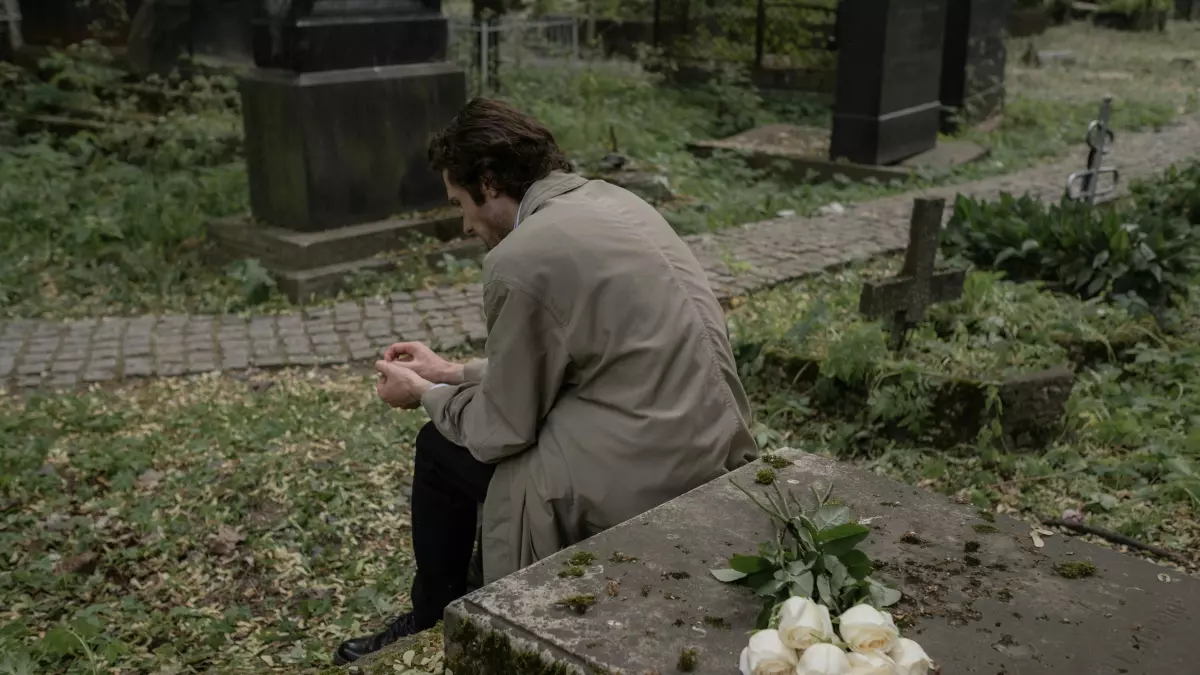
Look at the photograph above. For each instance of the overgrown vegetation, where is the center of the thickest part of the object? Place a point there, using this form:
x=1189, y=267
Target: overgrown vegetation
x=1140, y=254
x=105, y=205
x=1127, y=453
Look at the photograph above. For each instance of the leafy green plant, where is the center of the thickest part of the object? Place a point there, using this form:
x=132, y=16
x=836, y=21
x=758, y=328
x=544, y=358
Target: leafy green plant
x=814, y=555
x=1141, y=258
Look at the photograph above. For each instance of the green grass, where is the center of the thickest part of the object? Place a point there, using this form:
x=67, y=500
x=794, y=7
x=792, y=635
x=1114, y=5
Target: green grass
x=1129, y=452
x=228, y=525
x=112, y=222
x=213, y=524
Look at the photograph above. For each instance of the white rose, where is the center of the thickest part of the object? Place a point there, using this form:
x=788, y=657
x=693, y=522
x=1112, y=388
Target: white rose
x=867, y=629
x=823, y=659
x=870, y=664
x=803, y=623
x=767, y=655
x=910, y=658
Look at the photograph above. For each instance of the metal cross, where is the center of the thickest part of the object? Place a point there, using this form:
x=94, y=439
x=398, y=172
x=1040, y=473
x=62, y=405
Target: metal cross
x=1100, y=140
x=905, y=298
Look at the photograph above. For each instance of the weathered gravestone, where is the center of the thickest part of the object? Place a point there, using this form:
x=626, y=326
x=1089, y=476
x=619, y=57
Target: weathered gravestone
x=904, y=299
x=888, y=79
x=973, y=60
x=980, y=597
x=337, y=118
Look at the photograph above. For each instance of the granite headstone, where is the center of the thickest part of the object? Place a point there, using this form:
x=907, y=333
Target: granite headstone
x=887, y=105
x=973, y=60
x=338, y=114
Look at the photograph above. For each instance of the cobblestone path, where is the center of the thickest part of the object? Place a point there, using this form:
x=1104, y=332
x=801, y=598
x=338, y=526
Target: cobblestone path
x=739, y=260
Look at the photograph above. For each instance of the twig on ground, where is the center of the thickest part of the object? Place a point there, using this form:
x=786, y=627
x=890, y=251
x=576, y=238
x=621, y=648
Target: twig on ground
x=1117, y=539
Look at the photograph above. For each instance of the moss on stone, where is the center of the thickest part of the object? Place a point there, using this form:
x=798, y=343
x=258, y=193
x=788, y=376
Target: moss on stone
x=717, y=622
x=582, y=559
x=571, y=572
x=971, y=546
x=776, y=462
x=677, y=576
x=490, y=653
x=687, y=660
x=577, y=603
x=618, y=558
x=985, y=529
x=764, y=477
x=1074, y=569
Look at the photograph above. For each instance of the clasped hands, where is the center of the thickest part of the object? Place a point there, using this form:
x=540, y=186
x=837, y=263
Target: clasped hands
x=408, y=370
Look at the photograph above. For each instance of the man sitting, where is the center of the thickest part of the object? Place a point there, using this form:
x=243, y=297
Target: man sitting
x=609, y=385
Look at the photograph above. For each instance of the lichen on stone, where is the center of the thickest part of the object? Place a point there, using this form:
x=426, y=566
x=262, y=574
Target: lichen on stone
x=582, y=559
x=764, y=477
x=678, y=576
x=687, y=660
x=577, y=603
x=1075, y=569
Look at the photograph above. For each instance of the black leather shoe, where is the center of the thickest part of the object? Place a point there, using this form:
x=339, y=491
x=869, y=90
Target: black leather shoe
x=353, y=650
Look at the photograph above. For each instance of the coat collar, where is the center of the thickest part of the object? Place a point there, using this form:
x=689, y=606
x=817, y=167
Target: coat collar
x=553, y=185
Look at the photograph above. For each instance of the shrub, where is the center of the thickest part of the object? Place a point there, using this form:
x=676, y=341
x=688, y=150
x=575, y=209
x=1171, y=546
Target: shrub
x=1139, y=257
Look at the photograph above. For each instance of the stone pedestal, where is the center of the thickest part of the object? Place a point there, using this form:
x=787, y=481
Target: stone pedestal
x=973, y=59
x=337, y=117
x=889, y=75
x=342, y=147
x=979, y=596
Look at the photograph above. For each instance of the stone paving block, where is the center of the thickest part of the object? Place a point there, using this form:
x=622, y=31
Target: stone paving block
x=59, y=366
x=29, y=381
x=99, y=375
x=8, y=364
x=103, y=364
x=235, y=360
x=63, y=380
x=305, y=359
x=169, y=368
x=377, y=329
x=365, y=352
x=270, y=359
x=138, y=367
x=33, y=368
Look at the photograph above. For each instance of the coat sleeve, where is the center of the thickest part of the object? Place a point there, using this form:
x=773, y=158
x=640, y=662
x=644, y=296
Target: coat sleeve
x=475, y=370
x=499, y=416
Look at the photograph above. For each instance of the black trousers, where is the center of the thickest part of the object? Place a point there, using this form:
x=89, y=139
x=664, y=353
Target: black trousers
x=449, y=484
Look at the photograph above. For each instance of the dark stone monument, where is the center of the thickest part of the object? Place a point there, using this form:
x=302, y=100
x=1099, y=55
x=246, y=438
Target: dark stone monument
x=973, y=60
x=337, y=118
x=904, y=299
x=888, y=80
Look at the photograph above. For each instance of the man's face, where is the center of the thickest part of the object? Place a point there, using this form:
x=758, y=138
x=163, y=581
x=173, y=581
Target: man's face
x=490, y=221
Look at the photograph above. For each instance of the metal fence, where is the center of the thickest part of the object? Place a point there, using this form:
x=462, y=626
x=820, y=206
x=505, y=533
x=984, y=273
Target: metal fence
x=785, y=43
x=488, y=49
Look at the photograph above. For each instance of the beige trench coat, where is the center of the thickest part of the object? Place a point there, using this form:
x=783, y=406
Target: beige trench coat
x=609, y=385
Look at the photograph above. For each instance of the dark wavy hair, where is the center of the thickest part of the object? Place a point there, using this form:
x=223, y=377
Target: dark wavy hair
x=491, y=143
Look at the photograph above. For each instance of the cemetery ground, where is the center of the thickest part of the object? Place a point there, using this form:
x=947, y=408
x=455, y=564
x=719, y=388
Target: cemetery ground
x=242, y=522
x=110, y=220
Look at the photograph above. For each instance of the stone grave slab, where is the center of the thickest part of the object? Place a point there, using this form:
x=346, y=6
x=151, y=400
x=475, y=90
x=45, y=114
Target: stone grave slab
x=802, y=154
x=980, y=596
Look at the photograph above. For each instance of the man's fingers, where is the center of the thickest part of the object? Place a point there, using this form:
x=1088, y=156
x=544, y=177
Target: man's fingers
x=401, y=349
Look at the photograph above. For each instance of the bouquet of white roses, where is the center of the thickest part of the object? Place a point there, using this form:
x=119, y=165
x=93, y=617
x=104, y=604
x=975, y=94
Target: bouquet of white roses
x=812, y=567
x=804, y=642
